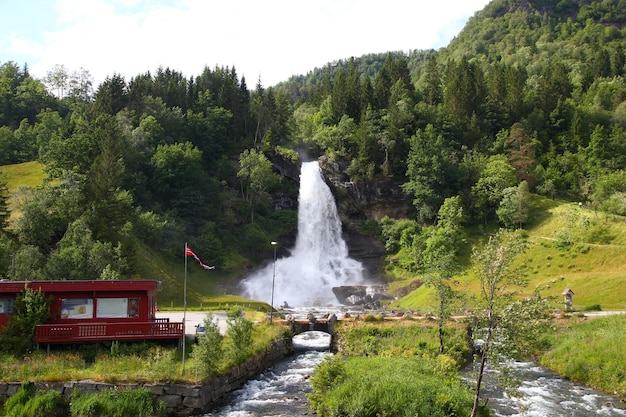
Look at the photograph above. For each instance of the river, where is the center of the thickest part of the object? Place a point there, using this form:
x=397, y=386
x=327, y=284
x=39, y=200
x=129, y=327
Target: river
x=280, y=390
x=546, y=394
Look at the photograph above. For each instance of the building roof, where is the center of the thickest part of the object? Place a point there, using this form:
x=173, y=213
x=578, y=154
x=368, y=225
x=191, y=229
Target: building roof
x=80, y=285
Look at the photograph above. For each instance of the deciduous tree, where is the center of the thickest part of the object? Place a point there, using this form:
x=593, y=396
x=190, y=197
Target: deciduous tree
x=257, y=177
x=513, y=208
x=208, y=352
x=505, y=324
x=440, y=259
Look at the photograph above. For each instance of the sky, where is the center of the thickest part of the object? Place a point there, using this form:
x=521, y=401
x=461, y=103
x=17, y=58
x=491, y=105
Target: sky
x=269, y=40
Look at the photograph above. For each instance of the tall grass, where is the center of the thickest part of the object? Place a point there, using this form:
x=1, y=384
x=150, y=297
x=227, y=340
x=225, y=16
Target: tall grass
x=118, y=403
x=28, y=403
x=404, y=338
x=592, y=352
x=390, y=387
x=394, y=370
x=124, y=362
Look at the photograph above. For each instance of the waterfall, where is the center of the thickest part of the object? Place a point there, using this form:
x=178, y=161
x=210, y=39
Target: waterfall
x=319, y=261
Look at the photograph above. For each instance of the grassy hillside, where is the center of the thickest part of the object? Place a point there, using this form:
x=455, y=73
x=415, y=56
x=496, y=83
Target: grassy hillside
x=593, y=265
x=28, y=174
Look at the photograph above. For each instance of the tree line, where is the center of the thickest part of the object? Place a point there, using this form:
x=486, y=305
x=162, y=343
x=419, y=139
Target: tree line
x=528, y=98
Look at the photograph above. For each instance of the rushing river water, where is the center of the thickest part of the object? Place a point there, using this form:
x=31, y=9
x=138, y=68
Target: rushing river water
x=280, y=390
x=546, y=394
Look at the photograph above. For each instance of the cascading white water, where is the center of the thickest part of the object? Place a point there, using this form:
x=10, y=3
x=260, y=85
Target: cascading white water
x=319, y=260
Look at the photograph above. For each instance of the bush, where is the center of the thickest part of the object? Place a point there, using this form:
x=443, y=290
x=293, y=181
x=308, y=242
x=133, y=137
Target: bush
x=46, y=404
x=239, y=332
x=208, y=352
x=17, y=401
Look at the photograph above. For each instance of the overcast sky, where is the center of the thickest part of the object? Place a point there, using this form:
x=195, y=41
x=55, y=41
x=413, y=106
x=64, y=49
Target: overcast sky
x=270, y=39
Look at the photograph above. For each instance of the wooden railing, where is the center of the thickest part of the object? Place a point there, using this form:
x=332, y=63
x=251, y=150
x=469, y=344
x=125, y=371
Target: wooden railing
x=91, y=332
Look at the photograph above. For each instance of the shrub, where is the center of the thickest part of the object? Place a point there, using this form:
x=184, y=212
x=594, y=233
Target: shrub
x=239, y=335
x=17, y=400
x=208, y=352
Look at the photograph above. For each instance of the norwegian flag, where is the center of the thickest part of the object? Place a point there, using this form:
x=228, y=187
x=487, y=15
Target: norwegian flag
x=189, y=252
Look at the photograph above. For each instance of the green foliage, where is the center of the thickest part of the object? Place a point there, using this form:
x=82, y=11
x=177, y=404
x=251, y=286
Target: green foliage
x=504, y=325
x=257, y=178
x=31, y=308
x=20, y=398
x=590, y=352
x=239, y=333
x=138, y=402
x=513, y=208
x=387, y=386
x=489, y=189
x=28, y=403
x=430, y=170
x=440, y=259
x=208, y=352
x=397, y=234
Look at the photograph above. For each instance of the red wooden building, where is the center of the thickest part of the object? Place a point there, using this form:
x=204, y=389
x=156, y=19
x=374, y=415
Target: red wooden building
x=91, y=311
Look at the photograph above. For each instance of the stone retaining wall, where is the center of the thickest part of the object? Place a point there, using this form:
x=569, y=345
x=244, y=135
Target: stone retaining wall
x=181, y=400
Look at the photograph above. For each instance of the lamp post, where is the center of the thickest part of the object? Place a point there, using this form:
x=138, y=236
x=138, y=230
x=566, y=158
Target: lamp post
x=273, y=279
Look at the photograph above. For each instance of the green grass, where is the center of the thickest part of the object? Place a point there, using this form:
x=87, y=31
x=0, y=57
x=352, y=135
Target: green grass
x=28, y=174
x=118, y=402
x=110, y=403
x=393, y=370
x=593, y=265
x=124, y=362
x=591, y=352
x=392, y=387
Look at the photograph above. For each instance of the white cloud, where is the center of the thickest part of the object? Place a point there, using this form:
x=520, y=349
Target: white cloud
x=274, y=38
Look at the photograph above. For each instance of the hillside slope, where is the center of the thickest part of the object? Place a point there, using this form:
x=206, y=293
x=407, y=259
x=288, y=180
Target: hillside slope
x=568, y=247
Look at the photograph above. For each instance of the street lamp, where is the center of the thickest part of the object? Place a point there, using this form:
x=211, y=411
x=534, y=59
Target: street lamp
x=273, y=279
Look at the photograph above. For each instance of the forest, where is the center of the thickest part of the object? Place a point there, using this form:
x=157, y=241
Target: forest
x=530, y=97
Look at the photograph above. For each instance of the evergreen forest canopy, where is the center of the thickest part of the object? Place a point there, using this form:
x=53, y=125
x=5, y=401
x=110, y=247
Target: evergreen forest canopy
x=530, y=97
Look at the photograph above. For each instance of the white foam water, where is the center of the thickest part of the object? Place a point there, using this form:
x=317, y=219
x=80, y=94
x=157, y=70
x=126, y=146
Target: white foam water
x=319, y=260
x=546, y=394
x=279, y=391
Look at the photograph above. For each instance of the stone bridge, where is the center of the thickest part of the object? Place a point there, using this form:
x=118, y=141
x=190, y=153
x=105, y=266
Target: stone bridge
x=311, y=323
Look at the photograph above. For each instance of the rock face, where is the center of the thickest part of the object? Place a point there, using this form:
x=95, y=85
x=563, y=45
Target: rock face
x=365, y=199
x=367, y=250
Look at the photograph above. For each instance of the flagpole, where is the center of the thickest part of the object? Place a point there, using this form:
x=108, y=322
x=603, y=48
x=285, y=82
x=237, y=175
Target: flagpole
x=184, y=309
